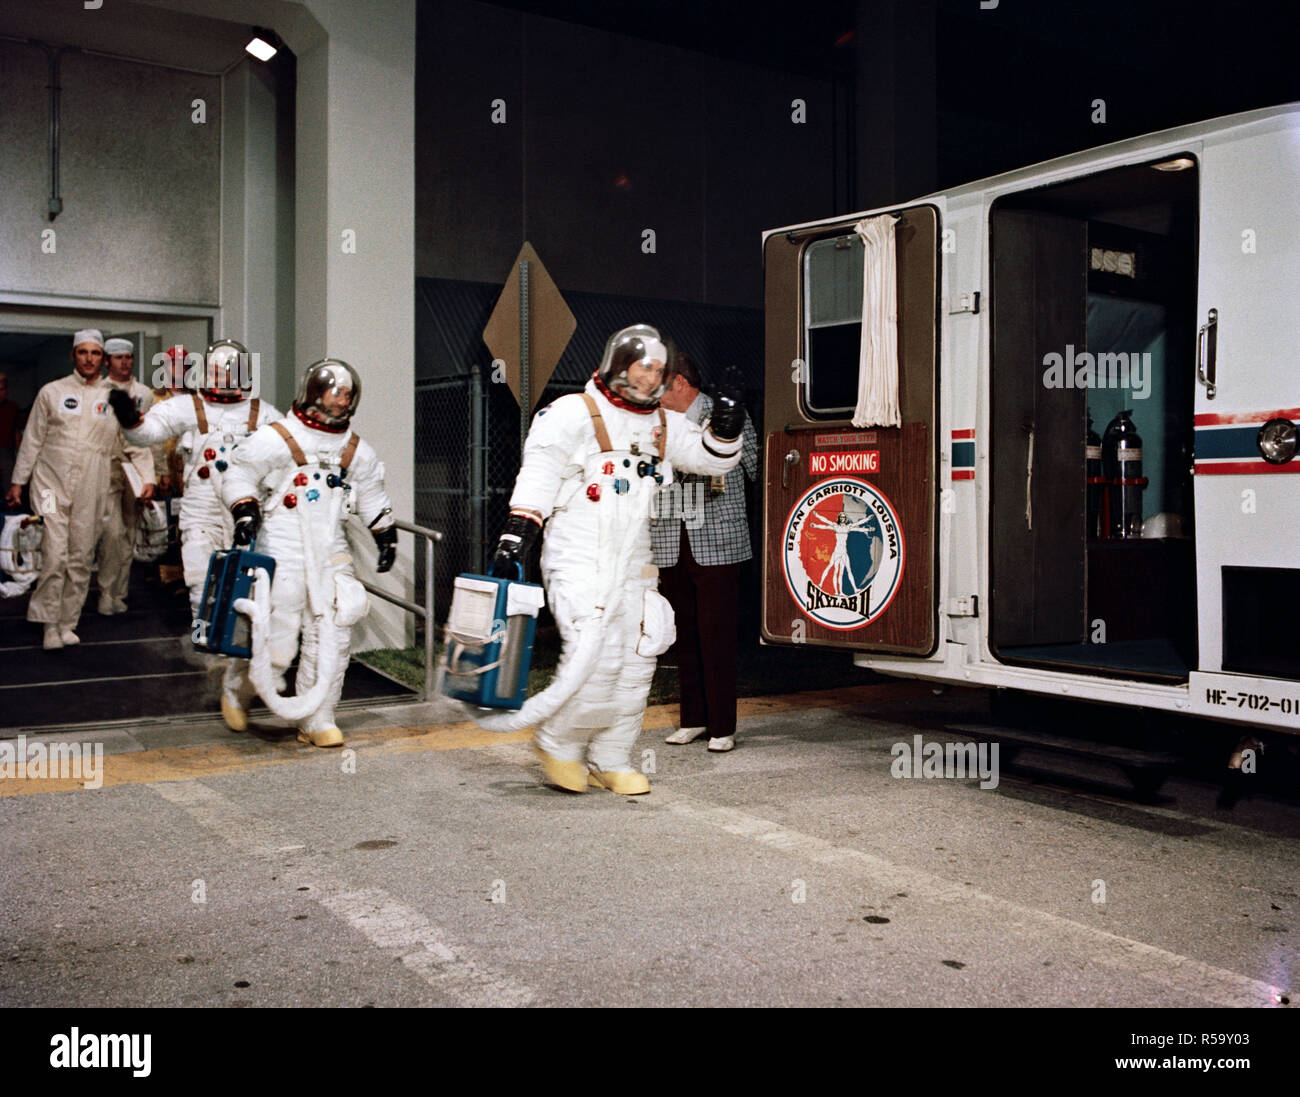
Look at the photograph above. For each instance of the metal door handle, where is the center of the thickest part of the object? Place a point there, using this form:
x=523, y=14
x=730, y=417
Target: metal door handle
x=1029, y=483
x=791, y=459
x=1207, y=366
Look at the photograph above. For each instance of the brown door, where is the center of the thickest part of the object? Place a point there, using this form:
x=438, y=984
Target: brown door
x=1038, y=506
x=849, y=513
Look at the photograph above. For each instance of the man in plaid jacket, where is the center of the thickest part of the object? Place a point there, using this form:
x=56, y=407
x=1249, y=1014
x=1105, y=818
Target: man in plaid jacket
x=701, y=538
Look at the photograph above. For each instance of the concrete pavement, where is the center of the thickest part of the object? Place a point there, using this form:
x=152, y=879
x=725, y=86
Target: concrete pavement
x=429, y=866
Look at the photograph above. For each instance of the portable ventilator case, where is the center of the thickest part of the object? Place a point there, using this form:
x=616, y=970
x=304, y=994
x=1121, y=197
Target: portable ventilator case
x=489, y=640
x=218, y=628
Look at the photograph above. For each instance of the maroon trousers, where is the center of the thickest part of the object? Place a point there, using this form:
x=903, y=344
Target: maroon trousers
x=706, y=602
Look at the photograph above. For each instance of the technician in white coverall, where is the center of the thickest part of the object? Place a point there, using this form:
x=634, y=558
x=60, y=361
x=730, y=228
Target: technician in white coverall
x=292, y=485
x=592, y=465
x=122, y=508
x=210, y=425
x=70, y=439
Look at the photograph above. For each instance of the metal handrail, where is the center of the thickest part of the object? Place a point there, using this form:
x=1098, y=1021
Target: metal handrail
x=426, y=610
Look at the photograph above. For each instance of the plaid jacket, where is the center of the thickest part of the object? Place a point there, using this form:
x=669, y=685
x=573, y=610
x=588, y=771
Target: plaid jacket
x=716, y=526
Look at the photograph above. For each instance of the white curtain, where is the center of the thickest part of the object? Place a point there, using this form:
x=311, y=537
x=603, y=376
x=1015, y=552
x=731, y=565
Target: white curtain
x=878, y=351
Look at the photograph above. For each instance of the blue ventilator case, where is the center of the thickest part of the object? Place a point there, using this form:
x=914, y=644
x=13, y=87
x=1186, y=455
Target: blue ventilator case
x=219, y=629
x=489, y=640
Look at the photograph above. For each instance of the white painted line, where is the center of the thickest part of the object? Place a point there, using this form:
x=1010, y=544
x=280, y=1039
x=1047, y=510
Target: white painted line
x=422, y=947
x=1215, y=985
x=210, y=809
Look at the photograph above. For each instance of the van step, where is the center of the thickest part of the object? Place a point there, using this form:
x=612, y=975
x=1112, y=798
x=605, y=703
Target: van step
x=1146, y=770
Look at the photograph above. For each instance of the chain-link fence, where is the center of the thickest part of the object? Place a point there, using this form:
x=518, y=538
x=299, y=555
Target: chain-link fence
x=467, y=458
x=467, y=427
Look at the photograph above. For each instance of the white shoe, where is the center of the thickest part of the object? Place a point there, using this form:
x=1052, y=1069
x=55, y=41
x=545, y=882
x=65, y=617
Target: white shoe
x=53, y=641
x=119, y=606
x=106, y=607
x=727, y=742
x=685, y=735
x=68, y=637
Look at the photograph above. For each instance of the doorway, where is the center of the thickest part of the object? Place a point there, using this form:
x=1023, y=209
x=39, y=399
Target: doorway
x=132, y=666
x=1091, y=522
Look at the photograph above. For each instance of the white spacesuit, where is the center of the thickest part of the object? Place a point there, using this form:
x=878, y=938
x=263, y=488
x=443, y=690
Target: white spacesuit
x=292, y=485
x=592, y=465
x=210, y=425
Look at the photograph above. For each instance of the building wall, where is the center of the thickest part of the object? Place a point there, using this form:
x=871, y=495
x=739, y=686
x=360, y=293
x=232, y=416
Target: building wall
x=606, y=136
x=354, y=229
x=257, y=225
x=139, y=179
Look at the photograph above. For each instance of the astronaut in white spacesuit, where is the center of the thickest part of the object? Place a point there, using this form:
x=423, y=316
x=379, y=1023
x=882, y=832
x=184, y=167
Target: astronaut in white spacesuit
x=593, y=463
x=292, y=485
x=210, y=424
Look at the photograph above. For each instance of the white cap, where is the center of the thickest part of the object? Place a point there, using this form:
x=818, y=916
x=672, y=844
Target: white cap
x=119, y=346
x=89, y=335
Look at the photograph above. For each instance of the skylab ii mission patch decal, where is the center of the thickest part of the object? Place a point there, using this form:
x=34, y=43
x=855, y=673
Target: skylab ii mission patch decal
x=843, y=553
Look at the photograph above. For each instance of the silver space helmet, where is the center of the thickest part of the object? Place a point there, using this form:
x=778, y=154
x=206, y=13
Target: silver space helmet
x=323, y=389
x=625, y=348
x=227, y=372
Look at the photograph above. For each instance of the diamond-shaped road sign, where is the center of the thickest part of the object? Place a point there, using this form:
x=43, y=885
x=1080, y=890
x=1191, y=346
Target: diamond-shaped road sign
x=538, y=333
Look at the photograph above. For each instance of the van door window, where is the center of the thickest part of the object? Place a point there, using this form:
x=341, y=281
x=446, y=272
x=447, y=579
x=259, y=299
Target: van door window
x=832, y=325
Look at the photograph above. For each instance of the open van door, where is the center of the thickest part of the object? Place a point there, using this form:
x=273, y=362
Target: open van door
x=849, y=522
x=1247, y=406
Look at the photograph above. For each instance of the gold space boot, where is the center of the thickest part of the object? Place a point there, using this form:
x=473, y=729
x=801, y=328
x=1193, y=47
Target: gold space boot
x=570, y=776
x=324, y=737
x=624, y=782
x=236, y=718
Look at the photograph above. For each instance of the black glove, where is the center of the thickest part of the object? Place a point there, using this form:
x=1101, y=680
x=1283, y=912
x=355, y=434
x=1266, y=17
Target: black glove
x=124, y=408
x=518, y=536
x=248, y=520
x=728, y=418
x=386, y=542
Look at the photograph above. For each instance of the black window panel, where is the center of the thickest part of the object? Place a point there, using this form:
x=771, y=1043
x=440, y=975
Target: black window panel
x=833, y=369
x=1260, y=631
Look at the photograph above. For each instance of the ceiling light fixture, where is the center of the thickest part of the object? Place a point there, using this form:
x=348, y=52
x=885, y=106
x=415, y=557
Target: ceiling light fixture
x=264, y=44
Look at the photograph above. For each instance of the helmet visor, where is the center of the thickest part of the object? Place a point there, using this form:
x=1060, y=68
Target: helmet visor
x=329, y=392
x=635, y=365
x=227, y=371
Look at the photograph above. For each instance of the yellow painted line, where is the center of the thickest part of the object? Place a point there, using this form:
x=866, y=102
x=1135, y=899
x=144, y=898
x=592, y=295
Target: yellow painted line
x=244, y=753
x=248, y=753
